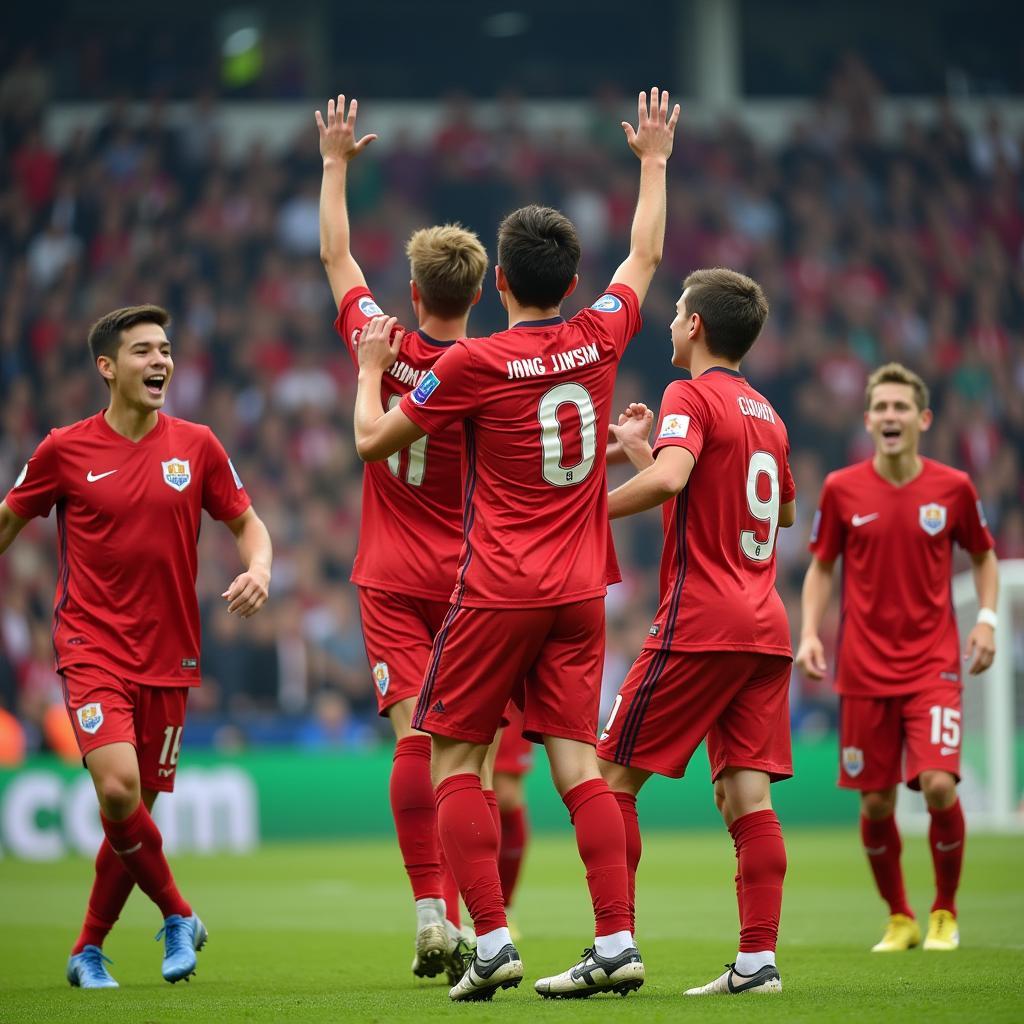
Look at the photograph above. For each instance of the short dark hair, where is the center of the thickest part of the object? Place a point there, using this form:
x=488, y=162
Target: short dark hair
x=732, y=307
x=897, y=373
x=539, y=252
x=105, y=334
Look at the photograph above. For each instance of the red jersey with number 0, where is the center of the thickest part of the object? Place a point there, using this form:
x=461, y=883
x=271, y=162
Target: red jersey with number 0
x=535, y=401
x=718, y=565
x=128, y=518
x=898, y=629
x=410, y=535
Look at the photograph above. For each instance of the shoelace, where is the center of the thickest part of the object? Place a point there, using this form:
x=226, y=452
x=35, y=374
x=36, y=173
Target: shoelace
x=93, y=959
x=177, y=939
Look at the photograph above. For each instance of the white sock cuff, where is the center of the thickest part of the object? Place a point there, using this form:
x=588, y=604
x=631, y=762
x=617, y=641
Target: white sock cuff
x=750, y=963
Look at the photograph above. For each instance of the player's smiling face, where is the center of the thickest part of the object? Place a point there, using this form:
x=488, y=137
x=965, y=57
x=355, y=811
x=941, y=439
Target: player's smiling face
x=682, y=335
x=894, y=421
x=142, y=369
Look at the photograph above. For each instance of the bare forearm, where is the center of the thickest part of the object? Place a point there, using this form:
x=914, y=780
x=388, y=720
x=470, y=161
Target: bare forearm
x=255, y=548
x=334, y=229
x=369, y=410
x=647, y=238
x=986, y=580
x=10, y=526
x=646, y=490
x=814, y=598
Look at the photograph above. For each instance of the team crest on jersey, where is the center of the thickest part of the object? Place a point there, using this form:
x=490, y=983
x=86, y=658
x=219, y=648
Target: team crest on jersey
x=853, y=761
x=608, y=304
x=932, y=518
x=381, y=676
x=425, y=388
x=675, y=426
x=177, y=473
x=369, y=308
x=90, y=717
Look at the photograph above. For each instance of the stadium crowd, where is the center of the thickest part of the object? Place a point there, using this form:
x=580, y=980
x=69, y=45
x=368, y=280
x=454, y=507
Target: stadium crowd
x=869, y=250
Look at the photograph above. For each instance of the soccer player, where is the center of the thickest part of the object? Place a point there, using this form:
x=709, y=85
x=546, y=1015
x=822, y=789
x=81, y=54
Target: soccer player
x=529, y=600
x=716, y=664
x=411, y=530
x=894, y=519
x=514, y=760
x=129, y=485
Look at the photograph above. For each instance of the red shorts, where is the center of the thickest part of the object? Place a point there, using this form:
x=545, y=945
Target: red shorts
x=398, y=631
x=483, y=655
x=671, y=700
x=887, y=740
x=515, y=752
x=106, y=709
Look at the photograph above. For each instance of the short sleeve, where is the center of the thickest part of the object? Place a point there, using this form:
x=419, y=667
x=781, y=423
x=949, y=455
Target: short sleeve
x=971, y=531
x=615, y=315
x=827, y=533
x=786, y=483
x=447, y=393
x=224, y=497
x=37, y=487
x=357, y=307
x=683, y=419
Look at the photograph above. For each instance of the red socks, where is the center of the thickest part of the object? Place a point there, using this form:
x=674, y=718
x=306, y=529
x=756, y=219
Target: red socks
x=470, y=843
x=946, y=838
x=139, y=845
x=634, y=848
x=882, y=844
x=601, y=839
x=450, y=888
x=111, y=887
x=491, y=798
x=761, y=854
x=514, y=832
x=412, y=804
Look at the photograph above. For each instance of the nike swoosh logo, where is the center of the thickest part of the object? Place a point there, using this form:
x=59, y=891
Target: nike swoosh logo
x=946, y=751
x=947, y=847
x=875, y=851
x=93, y=477
x=861, y=520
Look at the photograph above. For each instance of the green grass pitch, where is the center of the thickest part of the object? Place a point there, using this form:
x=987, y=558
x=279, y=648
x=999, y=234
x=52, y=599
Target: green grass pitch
x=324, y=933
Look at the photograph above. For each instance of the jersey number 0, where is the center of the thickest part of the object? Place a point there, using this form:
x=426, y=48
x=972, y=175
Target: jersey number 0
x=551, y=434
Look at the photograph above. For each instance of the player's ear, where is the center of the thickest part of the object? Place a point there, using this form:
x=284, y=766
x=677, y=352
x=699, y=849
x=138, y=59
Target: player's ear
x=926, y=419
x=500, y=280
x=696, y=325
x=572, y=286
x=414, y=293
x=106, y=367
x=476, y=298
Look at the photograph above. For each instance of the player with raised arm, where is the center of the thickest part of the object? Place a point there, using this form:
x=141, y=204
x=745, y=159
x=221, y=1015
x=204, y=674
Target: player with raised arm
x=894, y=520
x=717, y=662
x=411, y=504
x=529, y=599
x=130, y=485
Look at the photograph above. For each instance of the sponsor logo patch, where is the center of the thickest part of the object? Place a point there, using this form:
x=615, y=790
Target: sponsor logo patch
x=608, y=304
x=425, y=388
x=654, y=630
x=177, y=473
x=189, y=663
x=853, y=761
x=381, y=676
x=932, y=518
x=90, y=717
x=675, y=426
x=24, y=473
x=368, y=307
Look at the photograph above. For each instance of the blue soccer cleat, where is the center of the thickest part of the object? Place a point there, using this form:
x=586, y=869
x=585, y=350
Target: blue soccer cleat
x=88, y=969
x=183, y=938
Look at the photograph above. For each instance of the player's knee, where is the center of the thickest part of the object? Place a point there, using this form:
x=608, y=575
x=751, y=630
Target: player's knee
x=720, y=800
x=939, y=789
x=118, y=795
x=878, y=805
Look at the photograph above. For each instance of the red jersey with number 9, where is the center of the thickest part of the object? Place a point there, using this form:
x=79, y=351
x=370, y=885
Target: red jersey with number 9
x=535, y=401
x=718, y=565
x=411, y=530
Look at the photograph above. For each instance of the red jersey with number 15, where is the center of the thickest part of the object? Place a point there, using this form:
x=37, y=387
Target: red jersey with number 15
x=410, y=534
x=535, y=401
x=718, y=566
x=898, y=630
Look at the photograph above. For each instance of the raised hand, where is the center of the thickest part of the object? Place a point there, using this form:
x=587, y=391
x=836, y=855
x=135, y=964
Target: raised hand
x=338, y=134
x=378, y=343
x=655, y=130
x=634, y=426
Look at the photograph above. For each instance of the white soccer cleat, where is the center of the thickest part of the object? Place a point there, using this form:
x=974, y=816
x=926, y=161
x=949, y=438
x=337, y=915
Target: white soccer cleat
x=432, y=950
x=483, y=978
x=765, y=982
x=594, y=973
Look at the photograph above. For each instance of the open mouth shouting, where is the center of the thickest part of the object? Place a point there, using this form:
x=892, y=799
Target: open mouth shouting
x=155, y=384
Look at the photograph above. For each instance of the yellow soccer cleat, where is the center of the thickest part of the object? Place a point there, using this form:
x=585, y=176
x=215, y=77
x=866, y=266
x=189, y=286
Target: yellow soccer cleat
x=901, y=934
x=943, y=933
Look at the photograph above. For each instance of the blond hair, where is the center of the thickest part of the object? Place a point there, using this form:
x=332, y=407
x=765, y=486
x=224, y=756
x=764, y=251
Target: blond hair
x=897, y=373
x=448, y=264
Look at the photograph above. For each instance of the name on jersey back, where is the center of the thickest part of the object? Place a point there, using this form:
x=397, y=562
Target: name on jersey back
x=559, y=362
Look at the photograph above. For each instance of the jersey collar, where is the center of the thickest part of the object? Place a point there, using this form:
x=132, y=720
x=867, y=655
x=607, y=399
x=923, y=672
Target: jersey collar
x=434, y=341
x=550, y=322
x=722, y=369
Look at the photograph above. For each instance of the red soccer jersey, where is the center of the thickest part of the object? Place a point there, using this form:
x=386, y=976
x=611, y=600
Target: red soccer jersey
x=897, y=629
x=536, y=400
x=718, y=565
x=411, y=530
x=128, y=516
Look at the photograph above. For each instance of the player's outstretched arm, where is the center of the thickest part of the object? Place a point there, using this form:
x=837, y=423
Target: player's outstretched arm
x=338, y=146
x=651, y=141
x=249, y=590
x=629, y=439
x=379, y=433
x=981, y=641
x=10, y=526
x=810, y=656
x=653, y=486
